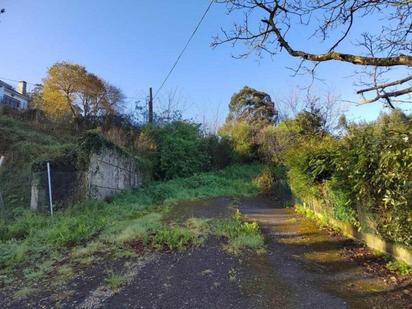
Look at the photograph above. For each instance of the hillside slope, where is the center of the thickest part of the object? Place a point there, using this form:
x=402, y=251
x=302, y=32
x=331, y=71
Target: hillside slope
x=22, y=144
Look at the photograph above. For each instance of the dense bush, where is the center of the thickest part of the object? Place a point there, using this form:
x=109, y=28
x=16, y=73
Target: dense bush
x=365, y=169
x=219, y=150
x=180, y=149
x=242, y=135
x=369, y=167
x=374, y=167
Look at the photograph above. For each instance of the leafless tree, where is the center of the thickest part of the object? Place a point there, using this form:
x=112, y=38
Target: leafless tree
x=170, y=107
x=267, y=24
x=327, y=104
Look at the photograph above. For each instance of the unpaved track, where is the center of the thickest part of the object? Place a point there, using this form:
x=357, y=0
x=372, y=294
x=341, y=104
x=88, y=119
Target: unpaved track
x=304, y=267
x=312, y=265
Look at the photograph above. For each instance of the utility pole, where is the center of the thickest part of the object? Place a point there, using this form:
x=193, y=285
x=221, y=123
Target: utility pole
x=150, y=105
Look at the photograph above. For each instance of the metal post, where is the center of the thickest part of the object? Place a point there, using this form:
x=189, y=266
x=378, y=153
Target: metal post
x=150, y=105
x=50, y=190
x=1, y=198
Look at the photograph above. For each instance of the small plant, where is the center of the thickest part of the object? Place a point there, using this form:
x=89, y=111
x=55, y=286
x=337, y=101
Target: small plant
x=89, y=250
x=24, y=292
x=173, y=238
x=240, y=235
x=232, y=274
x=198, y=226
x=399, y=267
x=114, y=281
x=66, y=272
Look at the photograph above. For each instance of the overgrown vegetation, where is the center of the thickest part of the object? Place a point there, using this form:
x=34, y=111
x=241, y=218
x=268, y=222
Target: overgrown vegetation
x=360, y=169
x=181, y=149
x=21, y=145
x=369, y=167
x=133, y=217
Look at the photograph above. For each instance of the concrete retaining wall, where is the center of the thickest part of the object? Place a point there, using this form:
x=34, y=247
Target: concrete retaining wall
x=108, y=172
x=363, y=234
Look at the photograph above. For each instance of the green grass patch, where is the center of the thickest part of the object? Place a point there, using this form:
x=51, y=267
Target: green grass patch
x=92, y=227
x=312, y=215
x=199, y=226
x=399, y=267
x=24, y=292
x=114, y=281
x=240, y=235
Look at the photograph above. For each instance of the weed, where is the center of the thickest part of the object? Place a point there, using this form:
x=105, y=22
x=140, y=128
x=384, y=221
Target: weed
x=124, y=253
x=66, y=271
x=173, y=238
x=240, y=235
x=86, y=261
x=399, y=267
x=125, y=231
x=135, y=215
x=114, y=281
x=198, y=226
x=33, y=274
x=310, y=214
x=88, y=250
x=252, y=241
x=24, y=292
x=232, y=274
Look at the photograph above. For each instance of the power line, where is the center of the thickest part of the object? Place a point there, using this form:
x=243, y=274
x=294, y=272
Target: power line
x=184, y=48
x=16, y=81
x=35, y=84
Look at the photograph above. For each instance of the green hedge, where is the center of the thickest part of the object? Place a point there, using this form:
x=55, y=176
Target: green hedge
x=370, y=166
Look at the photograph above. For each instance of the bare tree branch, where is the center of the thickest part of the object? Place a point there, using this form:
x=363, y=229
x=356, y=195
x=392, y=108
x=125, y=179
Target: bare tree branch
x=267, y=23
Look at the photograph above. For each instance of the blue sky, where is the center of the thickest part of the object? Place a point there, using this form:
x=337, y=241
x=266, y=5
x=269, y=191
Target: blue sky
x=133, y=43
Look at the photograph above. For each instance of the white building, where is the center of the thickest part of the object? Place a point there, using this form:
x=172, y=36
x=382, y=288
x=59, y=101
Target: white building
x=16, y=98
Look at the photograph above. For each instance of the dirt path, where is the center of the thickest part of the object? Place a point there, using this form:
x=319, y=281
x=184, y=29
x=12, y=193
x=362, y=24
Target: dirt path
x=304, y=267
x=319, y=267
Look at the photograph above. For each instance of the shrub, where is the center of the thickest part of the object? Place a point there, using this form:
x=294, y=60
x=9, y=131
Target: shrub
x=219, y=150
x=176, y=149
x=374, y=167
x=370, y=167
x=241, y=135
x=266, y=180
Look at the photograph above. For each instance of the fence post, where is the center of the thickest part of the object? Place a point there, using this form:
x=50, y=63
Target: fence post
x=50, y=189
x=1, y=198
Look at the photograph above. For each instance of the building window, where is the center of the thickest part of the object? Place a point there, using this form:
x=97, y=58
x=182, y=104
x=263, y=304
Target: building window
x=11, y=101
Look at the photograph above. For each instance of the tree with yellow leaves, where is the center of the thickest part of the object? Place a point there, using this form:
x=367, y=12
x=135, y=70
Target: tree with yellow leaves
x=69, y=89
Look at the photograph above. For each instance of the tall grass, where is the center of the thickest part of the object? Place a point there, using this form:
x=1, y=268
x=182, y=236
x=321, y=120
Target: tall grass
x=33, y=236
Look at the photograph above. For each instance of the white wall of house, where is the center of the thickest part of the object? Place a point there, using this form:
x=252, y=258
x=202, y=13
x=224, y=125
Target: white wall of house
x=11, y=97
